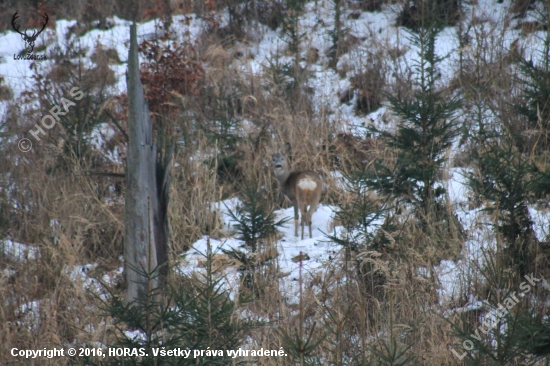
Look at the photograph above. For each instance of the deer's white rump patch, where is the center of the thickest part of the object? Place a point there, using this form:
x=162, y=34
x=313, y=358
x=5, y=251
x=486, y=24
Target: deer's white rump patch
x=307, y=184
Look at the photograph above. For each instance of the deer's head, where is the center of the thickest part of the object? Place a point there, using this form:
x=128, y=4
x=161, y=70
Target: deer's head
x=280, y=162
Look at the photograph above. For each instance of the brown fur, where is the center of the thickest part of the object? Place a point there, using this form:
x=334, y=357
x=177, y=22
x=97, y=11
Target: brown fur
x=301, y=198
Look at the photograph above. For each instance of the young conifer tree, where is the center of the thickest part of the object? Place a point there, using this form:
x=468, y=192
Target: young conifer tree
x=534, y=107
x=512, y=168
x=511, y=328
x=190, y=313
x=256, y=223
x=427, y=128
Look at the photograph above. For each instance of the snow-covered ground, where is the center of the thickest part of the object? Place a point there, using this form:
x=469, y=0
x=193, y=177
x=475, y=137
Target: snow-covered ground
x=376, y=32
x=289, y=246
x=320, y=251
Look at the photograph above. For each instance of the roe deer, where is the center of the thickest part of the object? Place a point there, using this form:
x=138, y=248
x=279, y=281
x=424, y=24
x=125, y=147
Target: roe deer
x=303, y=189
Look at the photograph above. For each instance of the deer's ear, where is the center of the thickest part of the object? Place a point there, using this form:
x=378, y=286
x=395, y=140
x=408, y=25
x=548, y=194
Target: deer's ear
x=287, y=148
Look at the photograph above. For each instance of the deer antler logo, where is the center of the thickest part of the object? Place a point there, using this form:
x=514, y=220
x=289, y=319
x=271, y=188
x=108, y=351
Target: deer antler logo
x=29, y=39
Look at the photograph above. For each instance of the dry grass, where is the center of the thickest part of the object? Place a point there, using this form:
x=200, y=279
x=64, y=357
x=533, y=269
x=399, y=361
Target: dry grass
x=356, y=303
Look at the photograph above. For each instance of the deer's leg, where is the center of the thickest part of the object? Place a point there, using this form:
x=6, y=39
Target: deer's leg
x=302, y=224
x=304, y=218
x=295, y=204
x=309, y=221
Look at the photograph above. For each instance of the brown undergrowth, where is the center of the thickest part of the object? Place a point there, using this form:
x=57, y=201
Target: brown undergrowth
x=225, y=122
